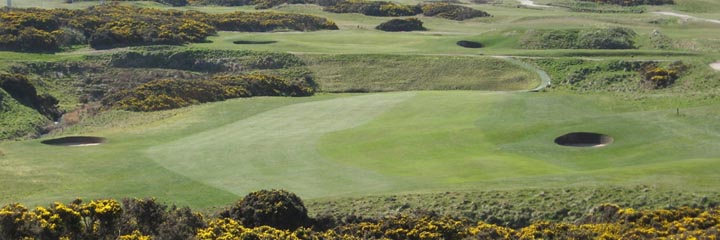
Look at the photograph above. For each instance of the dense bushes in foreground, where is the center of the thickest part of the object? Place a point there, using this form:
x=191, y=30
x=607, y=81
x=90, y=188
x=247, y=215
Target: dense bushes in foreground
x=147, y=219
x=112, y=25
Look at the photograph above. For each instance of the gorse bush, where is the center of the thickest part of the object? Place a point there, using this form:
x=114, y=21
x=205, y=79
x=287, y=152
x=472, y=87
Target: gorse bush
x=609, y=38
x=655, y=76
x=113, y=25
x=99, y=219
x=450, y=11
x=275, y=208
x=390, y=9
x=204, y=60
x=165, y=94
x=632, y=2
x=398, y=25
x=278, y=214
x=374, y=8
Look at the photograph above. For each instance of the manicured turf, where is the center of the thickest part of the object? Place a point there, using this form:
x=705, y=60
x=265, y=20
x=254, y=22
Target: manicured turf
x=354, y=145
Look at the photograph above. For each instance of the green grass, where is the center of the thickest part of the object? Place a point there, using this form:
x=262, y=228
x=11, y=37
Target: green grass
x=363, y=73
x=17, y=120
x=332, y=146
x=355, y=145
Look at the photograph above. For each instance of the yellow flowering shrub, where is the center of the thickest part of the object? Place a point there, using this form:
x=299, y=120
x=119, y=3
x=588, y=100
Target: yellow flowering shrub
x=135, y=235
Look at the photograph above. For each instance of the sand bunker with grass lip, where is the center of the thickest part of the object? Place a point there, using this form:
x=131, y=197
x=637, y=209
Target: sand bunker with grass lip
x=531, y=3
x=75, y=141
x=469, y=44
x=715, y=65
x=253, y=42
x=584, y=139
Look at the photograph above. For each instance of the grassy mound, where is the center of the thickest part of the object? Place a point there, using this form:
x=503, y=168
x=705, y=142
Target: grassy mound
x=450, y=11
x=379, y=73
x=611, y=38
x=402, y=25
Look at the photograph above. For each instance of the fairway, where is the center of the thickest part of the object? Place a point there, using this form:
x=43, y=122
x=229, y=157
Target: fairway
x=354, y=145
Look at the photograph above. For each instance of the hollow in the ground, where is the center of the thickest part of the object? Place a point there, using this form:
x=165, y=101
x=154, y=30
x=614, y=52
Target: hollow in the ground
x=75, y=141
x=584, y=139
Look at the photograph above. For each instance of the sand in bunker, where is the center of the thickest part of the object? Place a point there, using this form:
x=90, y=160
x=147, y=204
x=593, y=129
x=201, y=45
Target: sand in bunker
x=531, y=3
x=715, y=65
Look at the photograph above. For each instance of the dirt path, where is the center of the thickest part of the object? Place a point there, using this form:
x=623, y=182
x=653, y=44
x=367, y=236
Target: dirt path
x=686, y=17
x=531, y=3
x=715, y=65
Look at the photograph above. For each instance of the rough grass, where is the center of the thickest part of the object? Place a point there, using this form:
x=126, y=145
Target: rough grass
x=16, y=120
x=373, y=73
x=515, y=207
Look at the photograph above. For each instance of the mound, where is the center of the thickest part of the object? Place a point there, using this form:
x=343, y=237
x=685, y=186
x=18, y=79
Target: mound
x=584, y=139
x=401, y=25
x=75, y=141
x=469, y=44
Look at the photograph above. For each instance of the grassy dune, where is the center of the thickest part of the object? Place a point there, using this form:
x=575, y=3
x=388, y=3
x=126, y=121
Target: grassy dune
x=363, y=73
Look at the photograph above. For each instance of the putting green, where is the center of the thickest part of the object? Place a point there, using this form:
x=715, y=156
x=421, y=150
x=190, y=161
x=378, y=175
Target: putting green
x=276, y=149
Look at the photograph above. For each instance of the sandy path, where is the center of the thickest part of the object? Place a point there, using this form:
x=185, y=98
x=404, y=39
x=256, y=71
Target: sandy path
x=715, y=65
x=686, y=17
x=531, y=3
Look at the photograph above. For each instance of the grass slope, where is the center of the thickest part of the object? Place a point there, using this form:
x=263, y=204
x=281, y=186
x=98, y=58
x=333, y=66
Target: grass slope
x=276, y=149
x=363, y=73
x=505, y=140
x=16, y=120
x=356, y=145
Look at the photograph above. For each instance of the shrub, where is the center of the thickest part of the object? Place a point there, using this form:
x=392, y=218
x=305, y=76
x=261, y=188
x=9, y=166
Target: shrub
x=632, y=2
x=374, y=8
x=166, y=94
x=550, y=39
x=610, y=38
x=222, y=2
x=275, y=208
x=451, y=11
x=113, y=25
x=204, y=60
x=658, y=77
x=398, y=25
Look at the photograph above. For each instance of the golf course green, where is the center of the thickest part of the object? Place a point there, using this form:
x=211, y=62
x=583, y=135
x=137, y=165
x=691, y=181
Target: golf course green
x=392, y=112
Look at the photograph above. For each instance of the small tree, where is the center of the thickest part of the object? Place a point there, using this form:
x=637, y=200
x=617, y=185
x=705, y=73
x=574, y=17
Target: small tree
x=276, y=208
